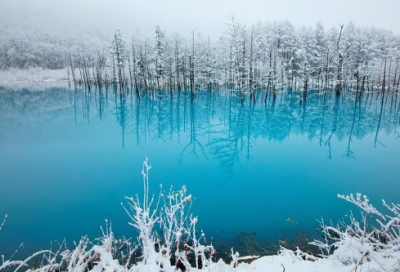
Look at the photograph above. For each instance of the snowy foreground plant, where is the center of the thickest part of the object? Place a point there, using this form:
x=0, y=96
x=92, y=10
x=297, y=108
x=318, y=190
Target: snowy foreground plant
x=168, y=241
x=374, y=243
x=179, y=238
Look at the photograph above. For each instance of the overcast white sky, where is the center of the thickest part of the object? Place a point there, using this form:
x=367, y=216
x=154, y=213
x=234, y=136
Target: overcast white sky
x=184, y=16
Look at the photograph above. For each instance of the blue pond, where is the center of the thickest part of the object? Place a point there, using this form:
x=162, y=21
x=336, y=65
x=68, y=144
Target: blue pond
x=69, y=157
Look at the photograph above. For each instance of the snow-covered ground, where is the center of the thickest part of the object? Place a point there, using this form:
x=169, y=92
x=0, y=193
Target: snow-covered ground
x=32, y=75
x=287, y=261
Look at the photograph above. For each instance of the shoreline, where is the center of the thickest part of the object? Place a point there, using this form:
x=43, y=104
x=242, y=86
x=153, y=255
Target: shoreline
x=32, y=75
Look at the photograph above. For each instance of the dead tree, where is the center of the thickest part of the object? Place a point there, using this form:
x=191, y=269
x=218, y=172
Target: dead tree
x=339, y=86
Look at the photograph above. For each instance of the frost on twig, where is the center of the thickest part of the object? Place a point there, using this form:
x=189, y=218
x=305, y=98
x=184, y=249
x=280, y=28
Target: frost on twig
x=7, y=264
x=363, y=203
x=4, y=222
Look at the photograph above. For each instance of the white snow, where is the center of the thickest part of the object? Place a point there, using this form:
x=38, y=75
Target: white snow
x=14, y=75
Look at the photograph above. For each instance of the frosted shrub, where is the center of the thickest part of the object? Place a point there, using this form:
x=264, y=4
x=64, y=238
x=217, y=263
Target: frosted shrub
x=177, y=237
x=101, y=255
x=361, y=241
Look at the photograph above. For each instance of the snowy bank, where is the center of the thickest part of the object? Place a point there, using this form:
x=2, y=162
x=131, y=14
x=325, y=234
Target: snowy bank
x=169, y=241
x=37, y=74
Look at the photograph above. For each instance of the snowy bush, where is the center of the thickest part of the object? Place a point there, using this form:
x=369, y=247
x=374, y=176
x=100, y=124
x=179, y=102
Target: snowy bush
x=177, y=238
x=360, y=241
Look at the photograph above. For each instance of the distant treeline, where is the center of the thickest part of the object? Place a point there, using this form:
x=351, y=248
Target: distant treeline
x=264, y=56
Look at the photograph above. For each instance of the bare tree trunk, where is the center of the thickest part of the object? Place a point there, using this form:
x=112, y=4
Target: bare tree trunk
x=305, y=82
x=384, y=82
x=134, y=67
x=269, y=75
x=191, y=63
x=390, y=67
x=72, y=68
x=209, y=84
x=129, y=67
x=395, y=73
x=114, y=71
x=184, y=76
x=68, y=75
x=243, y=72
x=252, y=94
x=340, y=65
x=275, y=76
x=327, y=71
x=178, y=84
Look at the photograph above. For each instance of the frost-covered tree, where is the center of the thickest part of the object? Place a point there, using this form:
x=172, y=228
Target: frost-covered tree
x=118, y=58
x=159, y=48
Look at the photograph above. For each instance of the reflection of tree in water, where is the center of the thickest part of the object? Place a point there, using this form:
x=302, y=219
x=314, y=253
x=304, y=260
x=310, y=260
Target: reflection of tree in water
x=234, y=136
x=381, y=110
x=75, y=106
x=101, y=96
x=196, y=129
x=396, y=117
x=153, y=119
x=319, y=118
x=86, y=100
x=349, y=153
x=164, y=119
x=216, y=124
x=121, y=112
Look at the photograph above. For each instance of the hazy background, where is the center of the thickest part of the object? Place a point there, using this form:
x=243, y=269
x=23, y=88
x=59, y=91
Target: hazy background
x=100, y=18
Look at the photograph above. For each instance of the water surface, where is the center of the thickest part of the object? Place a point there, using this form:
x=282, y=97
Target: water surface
x=68, y=157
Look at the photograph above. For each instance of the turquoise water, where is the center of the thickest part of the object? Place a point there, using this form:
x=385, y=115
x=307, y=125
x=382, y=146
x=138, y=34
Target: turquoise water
x=68, y=158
